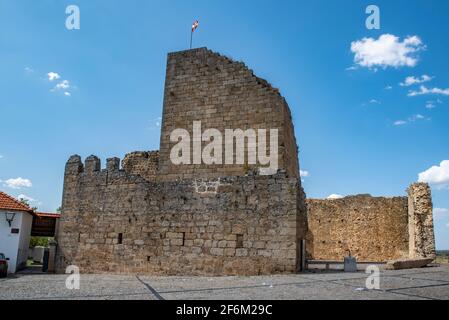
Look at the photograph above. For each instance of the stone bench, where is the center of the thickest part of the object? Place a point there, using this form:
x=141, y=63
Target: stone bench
x=327, y=263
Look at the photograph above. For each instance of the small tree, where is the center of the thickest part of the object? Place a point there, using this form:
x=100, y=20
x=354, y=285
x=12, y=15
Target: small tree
x=27, y=203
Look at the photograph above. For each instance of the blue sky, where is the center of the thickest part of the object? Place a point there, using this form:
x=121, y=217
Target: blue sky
x=358, y=129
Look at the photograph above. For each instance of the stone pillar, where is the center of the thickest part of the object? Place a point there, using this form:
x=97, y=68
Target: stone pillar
x=420, y=221
x=52, y=257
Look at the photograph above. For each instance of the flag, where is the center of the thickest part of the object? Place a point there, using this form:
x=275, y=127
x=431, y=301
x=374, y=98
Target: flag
x=195, y=25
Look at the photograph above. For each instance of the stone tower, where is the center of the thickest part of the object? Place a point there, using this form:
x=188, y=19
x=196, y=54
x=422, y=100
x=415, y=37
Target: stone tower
x=204, y=86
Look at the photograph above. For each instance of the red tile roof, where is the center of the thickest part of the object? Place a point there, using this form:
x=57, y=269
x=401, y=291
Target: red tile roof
x=9, y=203
x=48, y=215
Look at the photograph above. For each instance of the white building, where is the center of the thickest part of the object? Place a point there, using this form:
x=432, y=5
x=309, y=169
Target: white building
x=15, y=231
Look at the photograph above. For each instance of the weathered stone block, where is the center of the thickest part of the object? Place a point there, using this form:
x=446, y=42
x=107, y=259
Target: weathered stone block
x=176, y=242
x=229, y=252
x=216, y=251
x=408, y=263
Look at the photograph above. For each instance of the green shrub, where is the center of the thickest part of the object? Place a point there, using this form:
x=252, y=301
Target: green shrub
x=39, y=242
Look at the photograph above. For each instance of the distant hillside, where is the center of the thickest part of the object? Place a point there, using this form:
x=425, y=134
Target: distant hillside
x=442, y=256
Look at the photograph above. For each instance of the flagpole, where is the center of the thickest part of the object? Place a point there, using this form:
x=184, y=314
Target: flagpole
x=191, y=37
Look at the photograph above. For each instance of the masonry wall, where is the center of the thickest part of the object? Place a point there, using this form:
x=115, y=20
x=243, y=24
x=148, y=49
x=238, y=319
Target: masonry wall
x=245, y=225
x=223, y=94
x=144, y=164
x=372, y=229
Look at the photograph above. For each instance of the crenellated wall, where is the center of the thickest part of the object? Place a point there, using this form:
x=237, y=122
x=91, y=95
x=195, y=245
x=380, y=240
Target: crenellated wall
x=119, y=222
x=156, y=217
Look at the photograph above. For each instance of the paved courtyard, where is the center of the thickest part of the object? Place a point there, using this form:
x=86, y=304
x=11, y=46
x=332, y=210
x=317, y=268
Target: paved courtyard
x=427, y=283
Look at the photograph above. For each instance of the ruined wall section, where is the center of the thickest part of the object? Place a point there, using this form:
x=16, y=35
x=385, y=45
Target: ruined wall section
x=420, y=214
x=223, y=94
x=288, y=147
x=113, y=221
x=372, y=229
x=144, y=164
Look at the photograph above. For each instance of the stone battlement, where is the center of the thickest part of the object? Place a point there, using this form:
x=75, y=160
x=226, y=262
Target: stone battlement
x=142, y=163
x=123, y=223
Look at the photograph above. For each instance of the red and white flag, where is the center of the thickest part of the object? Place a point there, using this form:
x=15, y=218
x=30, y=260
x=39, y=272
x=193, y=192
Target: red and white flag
x=195, y=25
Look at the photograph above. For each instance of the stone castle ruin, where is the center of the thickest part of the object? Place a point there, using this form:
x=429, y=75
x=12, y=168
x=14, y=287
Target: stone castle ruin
x=148, y=215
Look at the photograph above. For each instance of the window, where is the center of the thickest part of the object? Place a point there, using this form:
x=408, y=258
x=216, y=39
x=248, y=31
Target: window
x=239, y=244
x=120, y=238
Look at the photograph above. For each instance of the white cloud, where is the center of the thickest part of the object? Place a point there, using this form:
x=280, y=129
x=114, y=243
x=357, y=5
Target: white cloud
x=424, y=90
x=388, y=87
x=53, y=76
x=400, y=123
x=372, y=101
x=409, y=81
x=417, y=117
x=387, y=51
x=304, y=173
x=335, y=196
x=436, y=175
x=439, y=213
x=18, y=183
x=28, y=70
x=1, y=157
x=413, y=118
x=432, y=104
x=63, y=85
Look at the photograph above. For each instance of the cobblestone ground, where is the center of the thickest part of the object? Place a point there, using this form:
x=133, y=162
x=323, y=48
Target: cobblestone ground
x=427, y=283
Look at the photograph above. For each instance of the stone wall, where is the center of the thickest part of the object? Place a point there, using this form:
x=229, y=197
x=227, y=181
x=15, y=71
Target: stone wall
x=144, y=164
x=420, y=215
x=119, y=222
x=223, y=94
x=372, y=229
